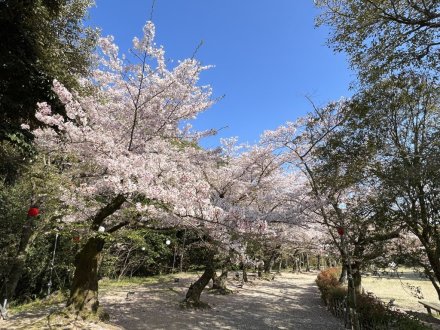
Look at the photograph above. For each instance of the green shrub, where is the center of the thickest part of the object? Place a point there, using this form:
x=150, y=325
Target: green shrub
x=372, y=313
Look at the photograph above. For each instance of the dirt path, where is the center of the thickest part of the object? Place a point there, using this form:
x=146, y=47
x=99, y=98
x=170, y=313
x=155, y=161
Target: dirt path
x=289, y=302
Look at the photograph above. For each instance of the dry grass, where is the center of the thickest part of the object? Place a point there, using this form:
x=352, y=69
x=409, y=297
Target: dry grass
x=392, y=287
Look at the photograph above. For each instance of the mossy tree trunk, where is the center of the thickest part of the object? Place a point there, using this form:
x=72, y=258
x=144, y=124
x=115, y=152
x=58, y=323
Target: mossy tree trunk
x=84, y=290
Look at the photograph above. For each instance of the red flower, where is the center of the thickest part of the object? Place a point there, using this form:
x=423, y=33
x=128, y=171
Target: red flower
x=76, y=239
x=340, y=231
x=33, y=212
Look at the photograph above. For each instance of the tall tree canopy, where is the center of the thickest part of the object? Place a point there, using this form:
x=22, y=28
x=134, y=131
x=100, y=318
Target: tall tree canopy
x=384, y=36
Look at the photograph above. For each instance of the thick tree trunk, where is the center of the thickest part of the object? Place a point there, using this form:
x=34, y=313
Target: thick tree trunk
x=17, y=266
x=84, y=290
x=192, y=298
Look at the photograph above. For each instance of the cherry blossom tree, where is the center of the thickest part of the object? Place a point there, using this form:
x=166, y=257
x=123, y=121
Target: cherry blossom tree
x=251, y=191
x=124, y=146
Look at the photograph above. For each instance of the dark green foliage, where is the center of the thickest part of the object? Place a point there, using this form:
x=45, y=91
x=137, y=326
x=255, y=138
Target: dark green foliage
x=39, y=184
x=39, y=41
x=138, y=252
x=36, y=276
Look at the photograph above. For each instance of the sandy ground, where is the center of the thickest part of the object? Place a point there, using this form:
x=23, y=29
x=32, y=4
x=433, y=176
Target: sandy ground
x=291, y=301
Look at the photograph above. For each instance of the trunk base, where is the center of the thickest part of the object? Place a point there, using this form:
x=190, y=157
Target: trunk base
x=219, y=284
x=186, y=304
x=192, y=298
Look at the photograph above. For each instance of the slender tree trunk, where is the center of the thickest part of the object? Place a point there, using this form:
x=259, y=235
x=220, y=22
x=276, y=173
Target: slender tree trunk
x=357, y=278
x=17, y=265
x=182, y=251
x=318, y=266
x=84, y=290
x=296, y=265
x=343, y=276
x=245, y=278
x=260, y=268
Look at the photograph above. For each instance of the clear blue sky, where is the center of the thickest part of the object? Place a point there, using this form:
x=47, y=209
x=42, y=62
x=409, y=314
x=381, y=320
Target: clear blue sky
x=267, y=54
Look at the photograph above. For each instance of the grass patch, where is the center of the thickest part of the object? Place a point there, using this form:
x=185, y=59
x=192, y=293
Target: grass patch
x=127, y=282
x=56, y=298
x=387, y=288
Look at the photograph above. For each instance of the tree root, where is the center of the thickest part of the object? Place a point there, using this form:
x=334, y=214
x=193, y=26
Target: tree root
x=220, y=291
x=189, y=304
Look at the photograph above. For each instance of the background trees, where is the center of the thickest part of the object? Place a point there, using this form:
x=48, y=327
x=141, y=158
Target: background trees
x=394, y=47
x=402, y=115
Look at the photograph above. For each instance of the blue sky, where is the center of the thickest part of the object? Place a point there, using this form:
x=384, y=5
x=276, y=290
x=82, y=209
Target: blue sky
x=268, y=56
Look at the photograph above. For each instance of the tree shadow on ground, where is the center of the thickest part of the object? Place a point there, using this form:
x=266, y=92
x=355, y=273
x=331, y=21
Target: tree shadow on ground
x=426, y=318
x=280, y=304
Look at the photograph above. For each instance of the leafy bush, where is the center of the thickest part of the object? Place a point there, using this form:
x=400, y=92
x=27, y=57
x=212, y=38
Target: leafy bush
x=327, y=282
x=372, y=313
